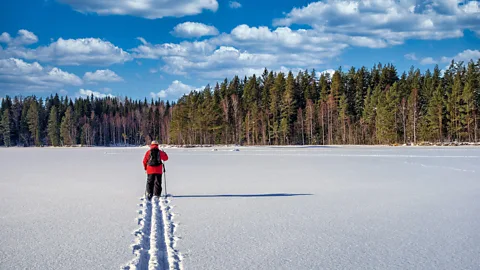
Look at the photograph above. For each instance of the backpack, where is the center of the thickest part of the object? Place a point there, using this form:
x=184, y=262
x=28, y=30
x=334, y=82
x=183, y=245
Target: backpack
x=154, y=159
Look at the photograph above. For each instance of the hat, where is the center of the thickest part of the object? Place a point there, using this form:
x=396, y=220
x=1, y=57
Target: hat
x=154, y=143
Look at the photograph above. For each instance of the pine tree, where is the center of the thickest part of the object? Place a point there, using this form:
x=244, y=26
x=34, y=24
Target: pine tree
x=288, y=108
x=453, y=107
x=435, y=115
x=369, y=113
x=251, y=99
x=276, y=93
x=476, y=91
x=6, y=126
x=53, y=128
x=470, y=106
x=323, y=110
x=343, y=117
x=34, y=122
x=467, y=110
x=385, y=116
x=67, y=127
x=309, y=121
x=360, y=91
x=413, y=114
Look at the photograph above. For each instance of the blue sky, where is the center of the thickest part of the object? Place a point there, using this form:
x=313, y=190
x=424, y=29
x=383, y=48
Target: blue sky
x=166, y=48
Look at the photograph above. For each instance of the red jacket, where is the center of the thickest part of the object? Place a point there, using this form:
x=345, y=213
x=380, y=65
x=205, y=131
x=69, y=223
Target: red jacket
x=157, y=169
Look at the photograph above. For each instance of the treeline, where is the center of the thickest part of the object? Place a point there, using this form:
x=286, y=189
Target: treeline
x=360, y=106
x=59, y=121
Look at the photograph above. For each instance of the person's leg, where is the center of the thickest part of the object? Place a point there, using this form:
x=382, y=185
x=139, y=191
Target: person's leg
x=150, y=186
x=157, y=191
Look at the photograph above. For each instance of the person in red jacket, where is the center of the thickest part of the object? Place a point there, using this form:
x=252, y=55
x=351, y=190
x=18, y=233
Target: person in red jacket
x=153, y=165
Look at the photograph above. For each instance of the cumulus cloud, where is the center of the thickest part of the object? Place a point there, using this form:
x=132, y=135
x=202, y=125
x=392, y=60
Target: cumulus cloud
x=411, y=56
x=102, y=76
x=17, y=75
x=82, y=51
x=88, y=93
x=92, y=51
x=24, y=37
x=427, y=61
x=245, y=51
x=194, y=29
x=225, y=59
x=156, y=51
x=174, y=91
x=388, y=21
x=145, y=9
x=464, y=56
x=281, y=38
x=234, y=4
x=5, y=37
x=334, y=26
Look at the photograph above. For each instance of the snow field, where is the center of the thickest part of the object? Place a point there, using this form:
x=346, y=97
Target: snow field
x=255, y=208
x=328, y=208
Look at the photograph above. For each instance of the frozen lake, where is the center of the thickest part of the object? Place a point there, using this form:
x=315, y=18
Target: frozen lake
x=256, y=208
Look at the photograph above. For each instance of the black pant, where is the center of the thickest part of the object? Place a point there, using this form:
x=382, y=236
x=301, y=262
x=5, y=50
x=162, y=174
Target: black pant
x=154, y=185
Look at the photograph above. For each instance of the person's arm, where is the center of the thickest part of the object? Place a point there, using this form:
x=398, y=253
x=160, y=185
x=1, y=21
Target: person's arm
x=145, y=159
x=163, y=155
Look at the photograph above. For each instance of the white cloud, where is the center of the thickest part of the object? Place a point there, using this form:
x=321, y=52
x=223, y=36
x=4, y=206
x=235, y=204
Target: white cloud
x=147, y=9
x=194, y=29
x=63, y=92
x=234, y=4
x=245, y=51
x=17, y=75
x=5, y=38
x=464, y=56
x=388, y=21
x=174, y=91
x=23, y=37
x=150, y=51
x=411, y=56
x=102, y=76
x=222, y=62
x=88, y=93
x=142, y=40
x=82, y=51
x=282, y=38
x=428, y=61
x=91, y=51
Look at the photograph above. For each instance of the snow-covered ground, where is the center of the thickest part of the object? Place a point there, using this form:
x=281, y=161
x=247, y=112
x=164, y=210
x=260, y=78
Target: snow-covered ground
x=256, y=208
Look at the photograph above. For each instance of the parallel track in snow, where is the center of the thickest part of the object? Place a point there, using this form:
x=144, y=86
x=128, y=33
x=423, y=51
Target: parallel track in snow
x=154, y=247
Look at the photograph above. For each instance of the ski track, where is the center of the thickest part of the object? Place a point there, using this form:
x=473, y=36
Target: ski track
x=142, y=238
x=173, y=255
x=155, y=243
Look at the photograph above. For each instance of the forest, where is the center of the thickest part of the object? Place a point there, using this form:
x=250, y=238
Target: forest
x=360, y=106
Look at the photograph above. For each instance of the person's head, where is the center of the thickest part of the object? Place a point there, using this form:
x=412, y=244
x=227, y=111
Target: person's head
x=154, y=143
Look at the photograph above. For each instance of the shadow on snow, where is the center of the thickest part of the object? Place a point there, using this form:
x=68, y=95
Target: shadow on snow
x=242, y=195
